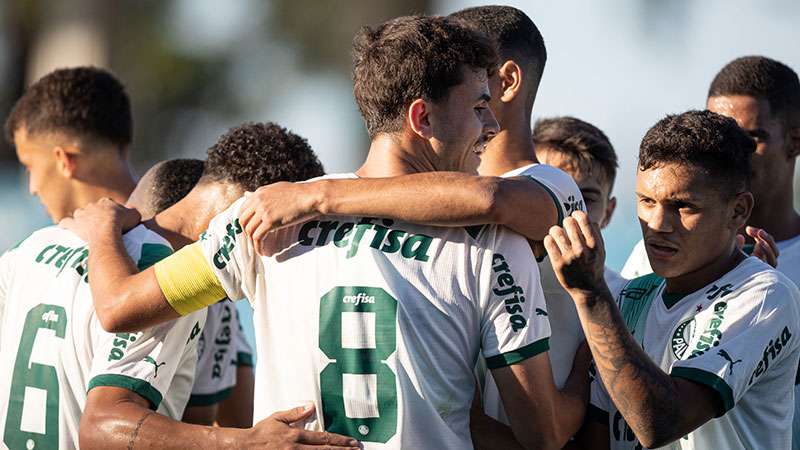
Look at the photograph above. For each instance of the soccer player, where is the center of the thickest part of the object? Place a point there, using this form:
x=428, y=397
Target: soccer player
x=542, y=195
x=244, y=158
x=381, y=320
x=703, y=353
x=71, y=130
x=224, y=360
x=584, y=152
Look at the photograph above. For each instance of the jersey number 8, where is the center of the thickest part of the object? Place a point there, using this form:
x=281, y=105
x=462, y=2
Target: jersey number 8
x=357, y=331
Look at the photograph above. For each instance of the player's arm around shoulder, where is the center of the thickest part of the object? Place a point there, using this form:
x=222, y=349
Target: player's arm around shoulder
x=126, y=299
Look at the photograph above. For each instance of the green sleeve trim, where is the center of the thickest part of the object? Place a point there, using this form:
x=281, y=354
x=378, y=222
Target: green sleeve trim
x=518, y=355
x=209, y=399
x=555, y=199
x=151, y=254
x=711, y=380
x=244, y=359
x=596, y=414
x=141, y=387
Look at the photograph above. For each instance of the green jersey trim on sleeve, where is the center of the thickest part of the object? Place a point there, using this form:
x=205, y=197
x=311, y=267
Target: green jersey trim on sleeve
x=151, y=254
x=597, y=414
x=559, y=208
x=711, y=380
x=518, y=355
x=244, y=360
x=141, y=387
x=209, y=399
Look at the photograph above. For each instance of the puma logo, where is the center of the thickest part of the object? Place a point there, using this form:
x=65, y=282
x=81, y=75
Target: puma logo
x=725, y=355
x=540, y=312
x=155, y=364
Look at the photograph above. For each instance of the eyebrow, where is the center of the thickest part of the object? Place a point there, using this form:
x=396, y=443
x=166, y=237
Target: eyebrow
x=591, y=190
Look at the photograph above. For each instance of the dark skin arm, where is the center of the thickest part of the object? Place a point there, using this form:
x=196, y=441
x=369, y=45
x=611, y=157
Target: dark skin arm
x=488, y=433
x=116, y=418
x=648, y=398
x=125, y=299
x=237, y=409
x=434, y=198
x=592, y=436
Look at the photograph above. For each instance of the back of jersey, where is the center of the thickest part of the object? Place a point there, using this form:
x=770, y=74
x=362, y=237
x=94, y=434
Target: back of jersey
x=48, y=328
x=380, y=322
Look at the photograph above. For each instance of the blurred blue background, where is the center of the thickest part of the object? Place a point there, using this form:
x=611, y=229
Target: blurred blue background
x=196, y=67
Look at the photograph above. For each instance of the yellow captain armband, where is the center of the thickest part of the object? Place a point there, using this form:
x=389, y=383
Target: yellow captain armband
x=187, y=281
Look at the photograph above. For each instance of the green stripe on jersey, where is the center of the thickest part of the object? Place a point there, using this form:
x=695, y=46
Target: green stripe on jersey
x=635, y=300
x=709, y=379
x=559, y=207
x=151, y=254
x=244, y=359
x=518, y=355
x=209, y=399
x=141, y=387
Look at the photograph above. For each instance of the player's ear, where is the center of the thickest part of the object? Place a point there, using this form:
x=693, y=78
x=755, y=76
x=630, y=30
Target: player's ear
x=418, y=116
x=742, y=207
x=65, y=161
x=510, y=74
x=793, y=137
x=611, y=206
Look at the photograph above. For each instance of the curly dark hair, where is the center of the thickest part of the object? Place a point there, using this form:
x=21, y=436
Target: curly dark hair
x=172, y=180
x=709, y=141
x=580, y=140
x=762, y=78
x=85, y=101
x=408, y=58
x=255, y=154
x=515, y=34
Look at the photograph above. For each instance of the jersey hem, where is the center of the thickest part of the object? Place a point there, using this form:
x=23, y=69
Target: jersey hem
x=209, y=399
x=708, y=379
x=518, y=355
x=140, y=387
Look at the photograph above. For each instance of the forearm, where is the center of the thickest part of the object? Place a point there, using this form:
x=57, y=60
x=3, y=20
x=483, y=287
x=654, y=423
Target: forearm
x=128, y=425
x=573, y=400
x=125, y=299
x=444, y=199
x=645, y=395
x=487, y=433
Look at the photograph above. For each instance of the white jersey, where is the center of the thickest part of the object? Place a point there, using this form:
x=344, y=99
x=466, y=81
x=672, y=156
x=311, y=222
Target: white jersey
x=55, y=351
x=222, y=347
x=788, y=264
x=380, y=322
x=566, y=330
x=737, y=336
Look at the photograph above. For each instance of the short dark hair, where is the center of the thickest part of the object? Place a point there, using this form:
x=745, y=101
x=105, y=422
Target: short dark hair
x=762, y=78
x=408, y=58
x=172, y=180
x=514, y=33
x=580, y=140
x=255, y=154
x=712, y=142
x=85, y=101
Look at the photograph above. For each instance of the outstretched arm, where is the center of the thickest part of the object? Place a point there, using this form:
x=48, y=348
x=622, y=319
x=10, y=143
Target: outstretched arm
x=433, y=198
x=125, y=299
x=116, y=418
x=648, y=398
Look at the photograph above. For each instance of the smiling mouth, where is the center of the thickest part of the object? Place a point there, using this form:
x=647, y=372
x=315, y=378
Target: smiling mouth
x=480, y=146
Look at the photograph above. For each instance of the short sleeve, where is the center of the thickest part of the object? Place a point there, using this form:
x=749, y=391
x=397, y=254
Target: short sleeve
x=562, y=188
x=514, y=322
x=216, y=370
x=144, y=362
x=751, y=334
x=231, y=254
